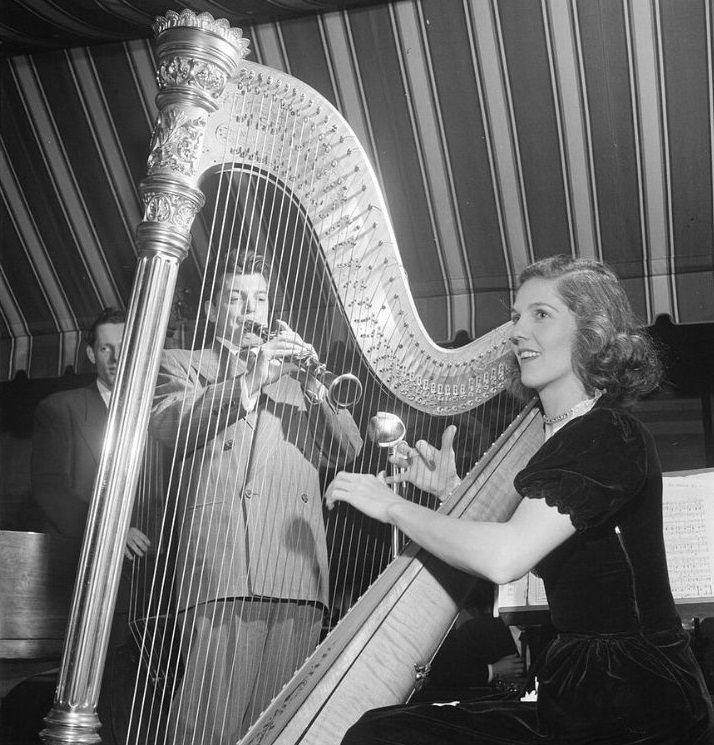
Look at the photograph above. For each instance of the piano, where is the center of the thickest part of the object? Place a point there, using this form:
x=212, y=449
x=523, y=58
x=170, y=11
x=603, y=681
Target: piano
x=37, y=574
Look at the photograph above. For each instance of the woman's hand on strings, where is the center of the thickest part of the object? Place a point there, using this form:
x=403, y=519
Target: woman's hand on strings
x=369, y=494
x=425, y=466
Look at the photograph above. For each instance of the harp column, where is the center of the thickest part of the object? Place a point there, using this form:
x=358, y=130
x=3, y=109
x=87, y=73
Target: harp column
x=197, y=56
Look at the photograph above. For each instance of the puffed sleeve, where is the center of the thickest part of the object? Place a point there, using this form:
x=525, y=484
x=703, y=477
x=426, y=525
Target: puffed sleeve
x=590, y=468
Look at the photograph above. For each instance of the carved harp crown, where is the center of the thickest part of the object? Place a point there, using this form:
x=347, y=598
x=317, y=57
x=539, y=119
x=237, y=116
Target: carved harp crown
x=284, y=170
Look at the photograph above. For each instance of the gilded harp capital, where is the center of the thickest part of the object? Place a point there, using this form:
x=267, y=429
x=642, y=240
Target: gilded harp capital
x=197, y=56
x=176, y=142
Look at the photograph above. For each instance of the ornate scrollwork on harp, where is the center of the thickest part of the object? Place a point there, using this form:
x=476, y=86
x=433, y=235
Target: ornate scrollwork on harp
x=222, y=115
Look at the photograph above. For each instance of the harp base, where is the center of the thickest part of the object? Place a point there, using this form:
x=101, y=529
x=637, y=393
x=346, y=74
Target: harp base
x=77, y=727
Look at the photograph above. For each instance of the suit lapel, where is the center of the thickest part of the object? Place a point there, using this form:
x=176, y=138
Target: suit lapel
x=95, y=421
x=211, y=364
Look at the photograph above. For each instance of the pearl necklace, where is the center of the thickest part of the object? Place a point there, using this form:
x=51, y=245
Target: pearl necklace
x=580, y=408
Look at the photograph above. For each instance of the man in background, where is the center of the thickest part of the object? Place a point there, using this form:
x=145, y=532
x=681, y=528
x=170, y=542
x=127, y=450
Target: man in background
x=68, y=434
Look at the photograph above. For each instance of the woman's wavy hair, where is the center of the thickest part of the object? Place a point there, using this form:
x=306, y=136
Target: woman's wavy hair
x=612, y=352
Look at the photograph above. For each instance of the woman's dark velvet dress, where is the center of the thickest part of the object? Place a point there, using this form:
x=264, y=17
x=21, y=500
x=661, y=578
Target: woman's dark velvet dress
x=620, y=670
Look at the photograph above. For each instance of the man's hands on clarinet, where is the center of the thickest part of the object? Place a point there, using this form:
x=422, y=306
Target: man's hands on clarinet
x=280, y=355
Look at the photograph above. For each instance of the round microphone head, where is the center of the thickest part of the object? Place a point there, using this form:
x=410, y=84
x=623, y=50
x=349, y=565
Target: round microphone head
x=386, y=429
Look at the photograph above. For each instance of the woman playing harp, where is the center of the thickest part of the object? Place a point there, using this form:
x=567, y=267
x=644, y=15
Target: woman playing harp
x=250, y=431
x=620, y=671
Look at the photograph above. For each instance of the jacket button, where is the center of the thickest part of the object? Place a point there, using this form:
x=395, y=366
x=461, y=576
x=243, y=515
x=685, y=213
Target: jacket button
x=304, y=497
x=248, y=493
x=228, y=445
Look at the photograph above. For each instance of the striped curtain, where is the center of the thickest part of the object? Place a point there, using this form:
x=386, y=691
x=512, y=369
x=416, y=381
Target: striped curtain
x=502, y=130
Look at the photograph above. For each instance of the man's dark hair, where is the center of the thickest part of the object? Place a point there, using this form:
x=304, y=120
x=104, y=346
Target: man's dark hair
x=235, y=261
x=108, y=315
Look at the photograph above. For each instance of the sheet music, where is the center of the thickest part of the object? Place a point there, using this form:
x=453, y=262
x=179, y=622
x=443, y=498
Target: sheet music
x=688, y=526
x=688, y=516
x=526, y=592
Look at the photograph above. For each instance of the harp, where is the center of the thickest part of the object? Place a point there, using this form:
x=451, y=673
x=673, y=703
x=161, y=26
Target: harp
x=273, y=146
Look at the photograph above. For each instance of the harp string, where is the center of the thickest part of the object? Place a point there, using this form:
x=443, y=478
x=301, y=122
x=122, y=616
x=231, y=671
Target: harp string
x=252, y=212
x=150, y=639
x=162, y=581
x=256, y=213
x=295, y=253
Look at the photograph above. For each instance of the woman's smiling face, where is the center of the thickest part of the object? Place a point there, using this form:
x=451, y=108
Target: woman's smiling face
x=543, y=334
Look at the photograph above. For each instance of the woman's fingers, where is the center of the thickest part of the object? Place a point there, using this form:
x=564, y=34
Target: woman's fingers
x=369, y=494
x=404, y=455
x=426, y=452
x=447, y=437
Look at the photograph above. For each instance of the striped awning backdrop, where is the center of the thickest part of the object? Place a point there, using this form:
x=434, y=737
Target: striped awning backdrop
x=502, y=131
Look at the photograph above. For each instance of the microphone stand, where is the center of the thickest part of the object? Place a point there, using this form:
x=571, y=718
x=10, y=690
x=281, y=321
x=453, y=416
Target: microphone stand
x=387, y=430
